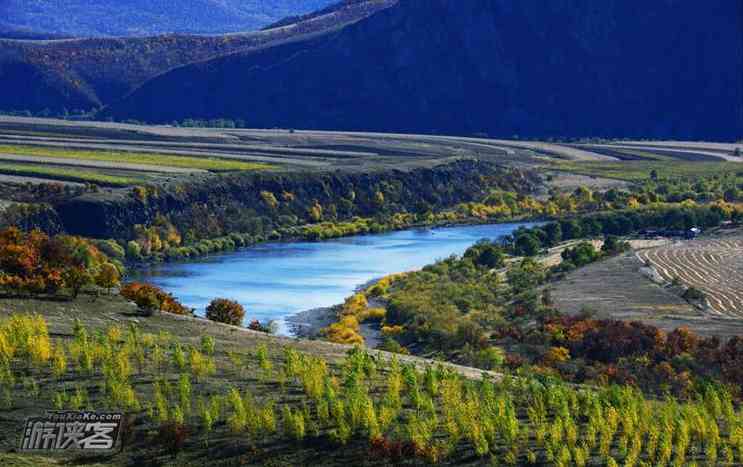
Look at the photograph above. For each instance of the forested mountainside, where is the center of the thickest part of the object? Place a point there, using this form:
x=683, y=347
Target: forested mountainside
x=83, y=74
x=616, y=68
x=149, y=17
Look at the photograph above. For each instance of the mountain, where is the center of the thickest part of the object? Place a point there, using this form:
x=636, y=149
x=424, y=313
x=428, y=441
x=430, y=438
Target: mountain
x=89, y=73
x=149, y=17
x=615, y=68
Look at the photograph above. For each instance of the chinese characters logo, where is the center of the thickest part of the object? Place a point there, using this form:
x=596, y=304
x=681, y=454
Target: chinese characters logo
x=71, y=430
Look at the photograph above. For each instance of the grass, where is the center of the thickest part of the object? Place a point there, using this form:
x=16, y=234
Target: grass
x=144, y=158
x=70, y=175
x=447, y=418
x=638, y=171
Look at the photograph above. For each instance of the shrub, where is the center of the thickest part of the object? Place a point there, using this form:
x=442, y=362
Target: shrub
x=556, y=355
x=142, y=295
x=256, y=325
x=148, y=303
x=693, y=294
x=225, y=311
x=172, y=435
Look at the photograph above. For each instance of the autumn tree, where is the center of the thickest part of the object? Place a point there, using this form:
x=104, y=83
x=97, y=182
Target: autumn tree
x=76, y=278
x=225, y=311
x=108, y=277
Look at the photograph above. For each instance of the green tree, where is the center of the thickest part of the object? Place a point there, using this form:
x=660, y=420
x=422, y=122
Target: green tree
x=526, y=244
x=554, y=233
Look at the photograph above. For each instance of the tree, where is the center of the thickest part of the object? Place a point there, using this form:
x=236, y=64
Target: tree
x=491, y=257
x=148, y=302
x=571, y=229
x=76, y=278
x=583, y=253
x=225, y=311
x=108, y=277
x=612, y=244
x=554, y=233
x=526, y=244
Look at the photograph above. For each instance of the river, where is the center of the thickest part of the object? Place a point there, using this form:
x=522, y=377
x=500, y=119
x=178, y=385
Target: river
x=275, y=280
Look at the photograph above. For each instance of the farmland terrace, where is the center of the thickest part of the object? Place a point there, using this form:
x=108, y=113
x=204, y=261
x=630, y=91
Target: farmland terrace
x=130, y=154
x=649, y=283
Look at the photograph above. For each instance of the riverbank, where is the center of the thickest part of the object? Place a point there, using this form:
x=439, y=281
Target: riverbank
x=308, y=233
x=308, y=324
x=276, y=281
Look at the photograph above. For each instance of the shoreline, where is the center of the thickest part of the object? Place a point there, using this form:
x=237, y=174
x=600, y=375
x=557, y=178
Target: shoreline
x=308, y=324
x=151, y=261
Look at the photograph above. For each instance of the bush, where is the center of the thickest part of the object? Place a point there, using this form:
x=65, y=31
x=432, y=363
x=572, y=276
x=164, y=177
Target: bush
x=693, y=294
x=225, y=311
x=256, y=325
x=148, y=302
x=139, y=294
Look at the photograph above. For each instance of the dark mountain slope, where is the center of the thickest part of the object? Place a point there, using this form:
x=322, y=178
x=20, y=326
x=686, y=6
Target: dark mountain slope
x=149, y=17
x=659, y=68
x=88, y=73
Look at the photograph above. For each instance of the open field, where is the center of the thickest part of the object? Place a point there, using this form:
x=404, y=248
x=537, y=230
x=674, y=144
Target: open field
x=159, y=162
x=35, y=172
x=617, y=289
x=639, y=170
x=625, y=288
x=714, y=266
x=118, y=154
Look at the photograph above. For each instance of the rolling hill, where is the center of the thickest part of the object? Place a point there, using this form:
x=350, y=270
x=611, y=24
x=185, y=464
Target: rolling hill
x=498, y=67
x=149, y=17
x=89, y=73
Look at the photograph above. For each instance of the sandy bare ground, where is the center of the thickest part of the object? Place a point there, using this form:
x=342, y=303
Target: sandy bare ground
x=723, y=147
x=40, y=140
x=675, y=149
x=177, y=152
x=564, y=151
x=98, y=164
x=35, y=180
x=565, y=181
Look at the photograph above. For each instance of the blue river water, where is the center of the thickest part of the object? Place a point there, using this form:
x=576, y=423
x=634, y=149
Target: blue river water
x=275, y=280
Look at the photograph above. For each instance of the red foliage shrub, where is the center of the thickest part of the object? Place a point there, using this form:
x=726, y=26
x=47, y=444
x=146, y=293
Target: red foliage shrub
x=606, y=340
x=225, y=311
x=172, y=436
x=256, y=325
x=514, y=361
x=731, y=360
x=681, y=340
x=395, y=451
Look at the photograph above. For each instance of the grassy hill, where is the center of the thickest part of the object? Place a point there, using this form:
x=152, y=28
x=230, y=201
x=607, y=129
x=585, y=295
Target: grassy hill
x=503, y=68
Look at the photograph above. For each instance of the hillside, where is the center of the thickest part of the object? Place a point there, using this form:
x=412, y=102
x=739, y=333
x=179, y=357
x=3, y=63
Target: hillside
x=87, y=73
x=149, y=17
x=570, y=68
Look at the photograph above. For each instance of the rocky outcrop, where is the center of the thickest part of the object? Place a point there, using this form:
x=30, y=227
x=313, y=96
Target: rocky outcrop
x=237, y=203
